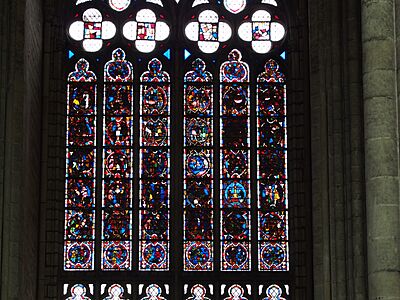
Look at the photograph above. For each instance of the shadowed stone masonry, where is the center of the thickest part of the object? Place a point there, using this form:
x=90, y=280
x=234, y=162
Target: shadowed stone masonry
x=381, y=148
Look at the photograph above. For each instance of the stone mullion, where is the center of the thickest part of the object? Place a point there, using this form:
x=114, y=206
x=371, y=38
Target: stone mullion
x=347, y=148
x=357, y=195
x=12, y=104
x=319, y=152
x=20, y=111
x=336, y=137
x=381, y=148
x=53, y=152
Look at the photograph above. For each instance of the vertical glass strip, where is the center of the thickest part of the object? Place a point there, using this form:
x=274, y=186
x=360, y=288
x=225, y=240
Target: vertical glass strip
x=235, y=164
x=198, y=170
x=117, y=163
x=154, y=168
x=272, y=170
x=80, y=169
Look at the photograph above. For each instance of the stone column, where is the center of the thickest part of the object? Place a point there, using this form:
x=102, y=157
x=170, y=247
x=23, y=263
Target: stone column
x=20, y=146
x=381, y=148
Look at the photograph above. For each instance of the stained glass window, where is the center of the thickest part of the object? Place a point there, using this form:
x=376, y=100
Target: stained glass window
x=176, y=151
x=154, y=168
x=81, y=164
x=272, y=170
x=235, y=164
x=117, y=163
x=198, y=165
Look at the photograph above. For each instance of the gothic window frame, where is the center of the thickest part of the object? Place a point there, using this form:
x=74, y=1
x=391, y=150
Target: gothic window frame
x=177, y=93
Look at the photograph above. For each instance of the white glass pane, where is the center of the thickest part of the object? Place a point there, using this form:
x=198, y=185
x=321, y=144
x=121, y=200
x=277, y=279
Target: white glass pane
x=208, y=47
x=235, y=6
x=158, y=2
x=92, y=45
x=145, y=46
x=245, y=31
x=277, y=31
x=208, y=16
x=272, y=2
x=129, y=30
x=162, y=31
x=81, y=1
x=108, y=31
x=92, y=15
x=261, y=47
x=146, y=15
x=119, y=5
x=261, y=15
x=224, y=32
x=199, y=2
x=192, y=31
x=76, y=30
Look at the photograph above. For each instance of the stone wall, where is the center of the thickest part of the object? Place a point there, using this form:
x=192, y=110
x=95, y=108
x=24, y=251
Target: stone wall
x=337, y=150
x=53, y=150
x=381, y=102
x=20, y=145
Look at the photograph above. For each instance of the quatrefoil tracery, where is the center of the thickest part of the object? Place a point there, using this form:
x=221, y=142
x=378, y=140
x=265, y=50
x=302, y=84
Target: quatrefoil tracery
x=261, y=31
x=208, y=31
x=146, y=30
x=92, y=30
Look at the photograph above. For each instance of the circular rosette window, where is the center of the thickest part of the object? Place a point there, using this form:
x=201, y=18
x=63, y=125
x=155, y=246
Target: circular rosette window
x=153, y=255
x=146, y=30
x=154, y=131
x=117, y=163
x=273, y=256
x=263, y=31
x=79, y=225
x=199, y=100
x=198, y=131
x=235, y=256
x=236, y=225
x=198, y=255
x=79, y=255
x=154, y=163
x=116, y=255
x=208, y=31
x=155, y=100
x=198, y=164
